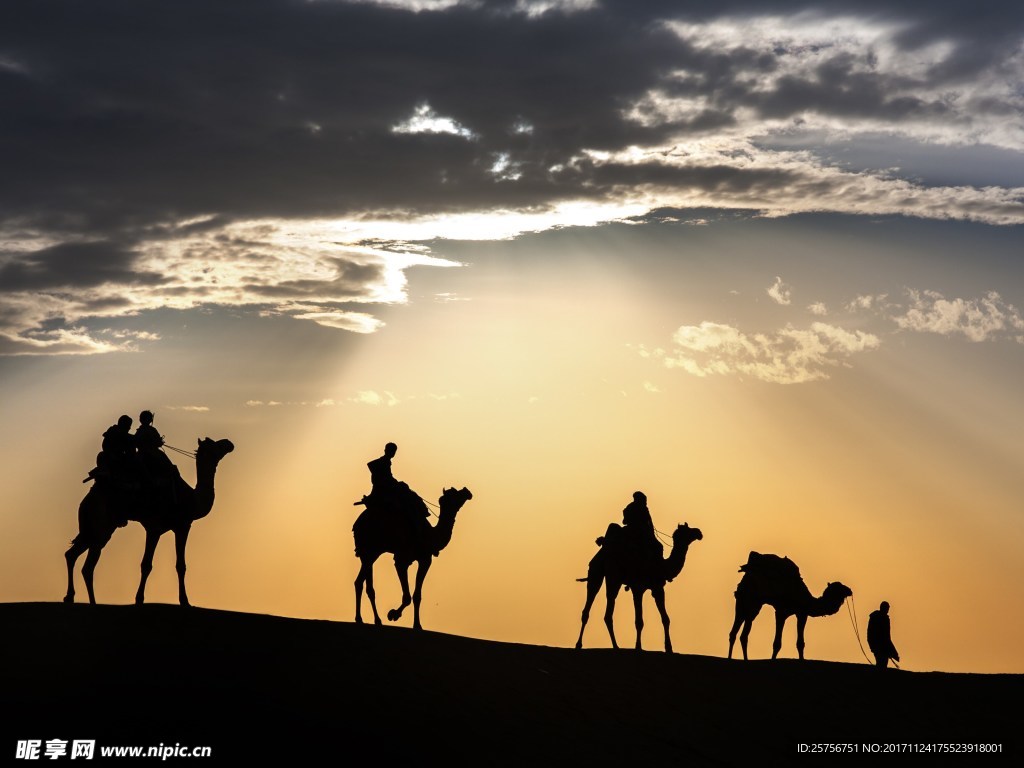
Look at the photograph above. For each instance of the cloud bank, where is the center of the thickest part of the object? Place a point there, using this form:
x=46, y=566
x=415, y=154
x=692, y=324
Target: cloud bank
x=787, y=356
x=793, y=355
x=185, y=154
x=983, y=319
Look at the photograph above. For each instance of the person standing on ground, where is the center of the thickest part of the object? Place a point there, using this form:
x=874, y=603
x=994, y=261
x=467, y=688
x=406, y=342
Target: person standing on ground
x=879, y=637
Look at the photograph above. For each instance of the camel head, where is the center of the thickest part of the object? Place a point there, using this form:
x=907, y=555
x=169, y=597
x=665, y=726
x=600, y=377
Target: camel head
x=837, y=591
x=684, y=534
x=213, y=450
x=454, y=498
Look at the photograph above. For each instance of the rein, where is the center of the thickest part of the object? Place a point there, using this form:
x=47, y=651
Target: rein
x=663, y=537
x=190, y=454
x=431, y=504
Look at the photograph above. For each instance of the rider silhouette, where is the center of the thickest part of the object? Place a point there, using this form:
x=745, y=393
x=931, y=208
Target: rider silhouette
x=390, y=494
x=636, y=518
x=146, y=437
x=117, y=452
x=159, y=468
x=381, y=479
x=116, y=464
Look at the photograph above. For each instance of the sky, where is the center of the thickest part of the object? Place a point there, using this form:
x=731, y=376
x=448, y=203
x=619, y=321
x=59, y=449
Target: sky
x=761, y=261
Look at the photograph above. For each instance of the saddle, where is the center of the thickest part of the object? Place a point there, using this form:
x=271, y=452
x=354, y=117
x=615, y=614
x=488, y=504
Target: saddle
x=771, y=566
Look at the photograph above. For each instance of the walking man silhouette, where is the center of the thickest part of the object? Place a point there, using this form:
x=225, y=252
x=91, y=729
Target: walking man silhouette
x=879, y=639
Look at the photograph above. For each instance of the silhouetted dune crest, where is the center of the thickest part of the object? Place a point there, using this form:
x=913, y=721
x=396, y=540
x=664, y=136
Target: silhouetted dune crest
x=257, y=685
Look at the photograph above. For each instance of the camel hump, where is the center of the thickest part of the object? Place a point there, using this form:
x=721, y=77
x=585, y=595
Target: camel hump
x=611, y=535
x=770, y=565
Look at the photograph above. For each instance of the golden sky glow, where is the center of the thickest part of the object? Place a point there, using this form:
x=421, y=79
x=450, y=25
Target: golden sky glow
x=764, y=268
x=534, y=392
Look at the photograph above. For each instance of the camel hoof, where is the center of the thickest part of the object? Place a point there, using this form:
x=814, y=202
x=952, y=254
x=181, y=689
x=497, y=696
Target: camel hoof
x=359, y=619
x=394, y=615
x=378, y=623
x=579, y=646
x=69, y=599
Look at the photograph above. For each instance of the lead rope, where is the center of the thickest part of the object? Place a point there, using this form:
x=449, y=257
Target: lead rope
x=856, y=630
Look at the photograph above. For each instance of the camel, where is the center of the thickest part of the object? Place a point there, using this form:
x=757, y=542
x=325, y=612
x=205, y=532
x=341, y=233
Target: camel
x=157, y=514
x=776, y=581
x=617, y=563
x=380, y=530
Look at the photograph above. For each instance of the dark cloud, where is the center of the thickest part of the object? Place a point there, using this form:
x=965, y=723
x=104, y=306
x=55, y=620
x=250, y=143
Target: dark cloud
x=179, y=133
x=121, y=115
x=837, y=88
x=74, y=265
x=125, y=114
x=715, y=178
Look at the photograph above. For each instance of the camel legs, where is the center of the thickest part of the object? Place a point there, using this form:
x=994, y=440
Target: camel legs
x=593, y=586
x=94, y=531
x=611, y=592
x=801, y=622
x=71, y=556
x=414, y=598
x=180, y=540
x=638, y=614
x=780, y=624
x=737, y=622
x=417, y=594
x=152, y=539
x=659, y=600
x=366, y=577
x=745, y=616
x=88, y=568
x=402, y=569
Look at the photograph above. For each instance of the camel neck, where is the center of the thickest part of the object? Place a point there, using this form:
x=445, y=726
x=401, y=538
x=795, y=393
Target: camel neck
x=827, y=605
x=442, y=532
x=676, y=559
x=204, y=493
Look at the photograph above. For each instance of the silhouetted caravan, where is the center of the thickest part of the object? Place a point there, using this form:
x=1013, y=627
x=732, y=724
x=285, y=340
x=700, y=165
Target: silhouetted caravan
x=385, y=528
x=618, y=562
x=776, y=581
x=160, y=509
